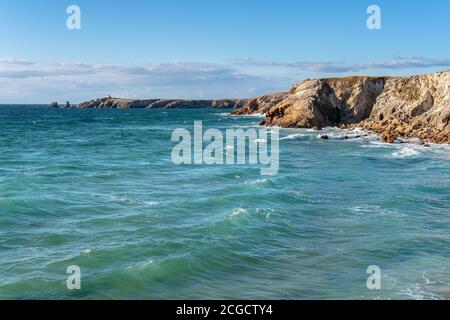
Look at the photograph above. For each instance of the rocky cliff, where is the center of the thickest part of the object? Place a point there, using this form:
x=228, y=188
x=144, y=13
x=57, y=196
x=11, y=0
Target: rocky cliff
x=109, y=102
x=395, y=107
x=260, y=105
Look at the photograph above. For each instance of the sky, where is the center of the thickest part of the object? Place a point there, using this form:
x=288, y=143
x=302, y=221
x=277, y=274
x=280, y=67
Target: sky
x=199, y=49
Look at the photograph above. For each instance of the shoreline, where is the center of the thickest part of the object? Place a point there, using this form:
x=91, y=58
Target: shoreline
x=393, y=107
x=396, y=108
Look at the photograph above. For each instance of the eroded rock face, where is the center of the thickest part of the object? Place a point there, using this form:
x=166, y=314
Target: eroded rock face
x=309, y=104
x=327, y=102
x=260, y=105
x=417, y=106
x=356, y=96
x=395, y=107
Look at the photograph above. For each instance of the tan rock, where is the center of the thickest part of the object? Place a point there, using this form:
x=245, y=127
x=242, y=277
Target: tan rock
x=414, y=106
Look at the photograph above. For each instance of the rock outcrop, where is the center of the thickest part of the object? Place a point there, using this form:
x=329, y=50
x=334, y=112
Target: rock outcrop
x=260, y=105
x=395, y=107
x=118, y=103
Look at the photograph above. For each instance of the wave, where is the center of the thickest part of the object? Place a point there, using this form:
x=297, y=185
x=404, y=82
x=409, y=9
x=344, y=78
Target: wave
x=259, y=181
x=418, y=292
x=87, y=251
x=293, y=136
x=254, y=115
x=406, y=153
x=142, y=265
x=130, y=201
x=237, y=212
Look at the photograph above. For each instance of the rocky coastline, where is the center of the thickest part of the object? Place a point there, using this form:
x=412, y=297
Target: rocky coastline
x=397, y=108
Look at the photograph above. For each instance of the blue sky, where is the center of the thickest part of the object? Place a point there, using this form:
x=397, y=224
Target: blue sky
x=209, y=49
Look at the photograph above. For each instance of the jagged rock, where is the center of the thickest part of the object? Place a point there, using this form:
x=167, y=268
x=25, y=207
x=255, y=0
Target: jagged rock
x=395, y=107
x=260, y=105
x=308, y=106
x=388, y=137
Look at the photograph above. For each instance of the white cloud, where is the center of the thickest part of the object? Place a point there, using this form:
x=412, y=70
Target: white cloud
x=62, y=81
x=28, y=82
x=16, y=61
x=398, y=63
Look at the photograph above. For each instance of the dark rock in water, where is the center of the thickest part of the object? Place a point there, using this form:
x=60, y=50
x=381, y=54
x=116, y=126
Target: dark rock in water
x=324, y=137
x=54, y=104
x=67, y=104
x=262, y=123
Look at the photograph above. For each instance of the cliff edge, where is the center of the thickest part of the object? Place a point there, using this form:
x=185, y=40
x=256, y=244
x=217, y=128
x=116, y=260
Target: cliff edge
x=395, y=107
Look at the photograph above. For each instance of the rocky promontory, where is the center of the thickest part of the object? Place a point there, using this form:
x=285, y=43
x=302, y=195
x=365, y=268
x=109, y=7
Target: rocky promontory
x=398, y=108
x=394, y=107
x=119, y=103
x=260, y=105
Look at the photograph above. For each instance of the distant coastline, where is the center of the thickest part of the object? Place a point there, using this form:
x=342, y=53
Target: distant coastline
x=120, y=103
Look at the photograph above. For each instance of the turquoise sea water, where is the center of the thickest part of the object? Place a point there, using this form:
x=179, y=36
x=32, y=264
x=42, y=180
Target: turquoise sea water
x=97, y=189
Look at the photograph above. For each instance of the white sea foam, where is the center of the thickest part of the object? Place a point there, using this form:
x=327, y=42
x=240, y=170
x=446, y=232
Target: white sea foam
x=254, y=115
x=151, y=203
x=367, y=211
x=406, y=153
x=259, y=181
x=267, y=213
x=293, y=136
x=141, y=265
x=124, y=199
x=237, y=212
x=418, y=292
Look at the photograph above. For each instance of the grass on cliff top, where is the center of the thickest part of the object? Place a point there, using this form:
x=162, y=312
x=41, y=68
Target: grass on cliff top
x=353, y=79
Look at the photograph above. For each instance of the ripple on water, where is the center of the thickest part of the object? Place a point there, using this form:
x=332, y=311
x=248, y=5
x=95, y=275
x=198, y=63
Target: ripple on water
x=103, y=194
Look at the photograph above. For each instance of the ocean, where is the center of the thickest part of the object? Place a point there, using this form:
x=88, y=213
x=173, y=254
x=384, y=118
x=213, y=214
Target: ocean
x=98, y=189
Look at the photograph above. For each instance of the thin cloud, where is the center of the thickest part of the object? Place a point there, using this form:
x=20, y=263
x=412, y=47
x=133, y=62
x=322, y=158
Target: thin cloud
x=41, y=73
x=398, y=63
x=242, y=78
x=16, y=61
x=80, y=81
